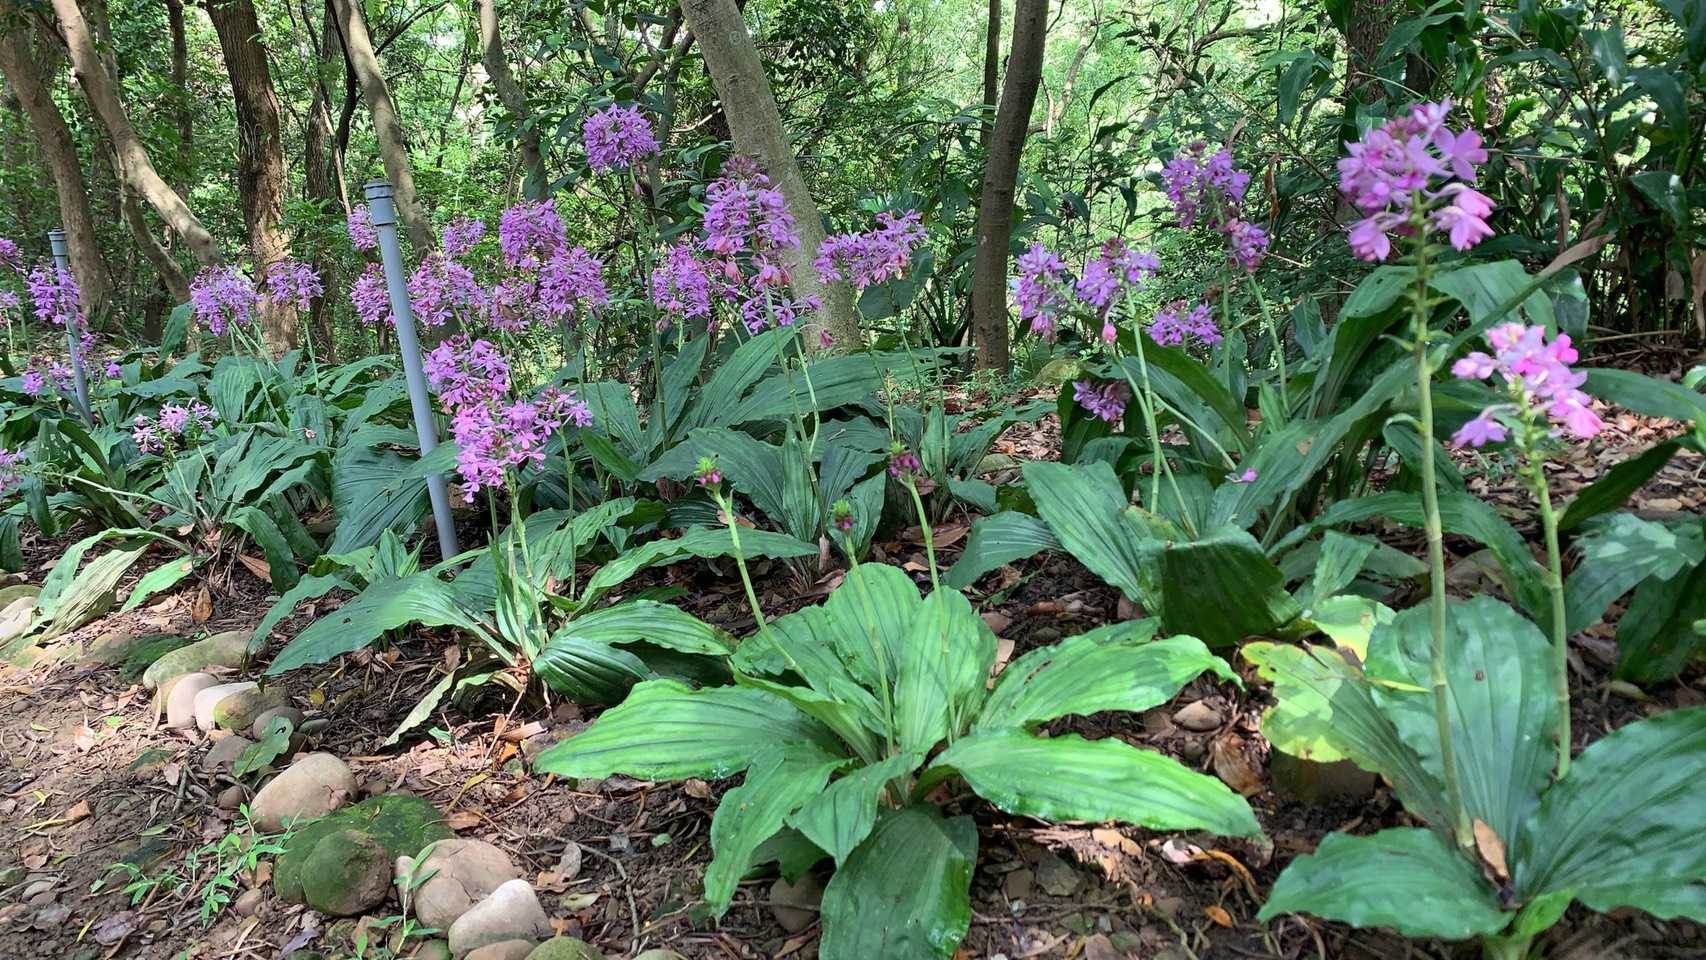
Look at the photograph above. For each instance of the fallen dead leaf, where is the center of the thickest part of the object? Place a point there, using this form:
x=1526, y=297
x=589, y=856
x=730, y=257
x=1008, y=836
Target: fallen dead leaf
x=460, y=820
x=1491, y=849
x=1220, y=917
x=1232, y=765
x=256, y=566
x=202, y=608
x=78, y=813
x=115, y=928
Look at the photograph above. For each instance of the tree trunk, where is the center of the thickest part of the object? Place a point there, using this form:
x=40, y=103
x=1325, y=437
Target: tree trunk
x=387, y=125
x=181, y=90
x=989, y=315
x=319, y=166
x=755, y=125
x=991, y=70
x=134, y=164
x=510, y=94
x=75, y=217
x=171, y=274
x=260, y=157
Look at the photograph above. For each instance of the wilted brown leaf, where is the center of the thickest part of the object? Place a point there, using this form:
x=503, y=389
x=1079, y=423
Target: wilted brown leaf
x=1220, y=917
x=202, y=608
x=1232, y=765
x=1492, y=850
x=257, y=566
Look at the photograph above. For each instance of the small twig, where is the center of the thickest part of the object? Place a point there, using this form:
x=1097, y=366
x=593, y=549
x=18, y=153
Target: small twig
x=627, y=889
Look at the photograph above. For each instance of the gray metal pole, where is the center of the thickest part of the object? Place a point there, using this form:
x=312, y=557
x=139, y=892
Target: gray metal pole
x=73, y=338
x=384, y=212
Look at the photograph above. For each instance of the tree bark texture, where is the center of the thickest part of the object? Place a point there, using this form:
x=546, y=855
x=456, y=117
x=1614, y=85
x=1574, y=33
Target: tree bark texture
x=991, y=69
x=755, y=125
x=320, y=183
x=387, y=125
x=181, y=111
x=24, y=75
x=261, y=178
x=135, y=166
x=535, y=183
x=990, y=323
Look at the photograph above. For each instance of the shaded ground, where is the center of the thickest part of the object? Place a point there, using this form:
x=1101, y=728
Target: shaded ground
x=90, y=780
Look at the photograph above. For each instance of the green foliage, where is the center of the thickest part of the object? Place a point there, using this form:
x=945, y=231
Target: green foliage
x=834, y=715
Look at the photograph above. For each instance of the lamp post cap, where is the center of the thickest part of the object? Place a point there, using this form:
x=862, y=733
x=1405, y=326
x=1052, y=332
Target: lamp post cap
x=56, y=234
x=376, y=189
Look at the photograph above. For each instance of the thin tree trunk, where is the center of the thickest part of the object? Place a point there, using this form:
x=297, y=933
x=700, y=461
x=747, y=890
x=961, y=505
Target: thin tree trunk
x=171, y=274
x=260, y=157
x=991, y=70
x=513, y=98
x=387, y=125
x=134, y=164
x=24, y=76
x=995, y=206
x=755, y=124
x=319, y=164
x=181, y=91
x=1058, y=105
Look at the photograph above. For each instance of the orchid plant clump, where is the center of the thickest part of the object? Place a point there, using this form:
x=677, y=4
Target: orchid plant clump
x=1464, y=707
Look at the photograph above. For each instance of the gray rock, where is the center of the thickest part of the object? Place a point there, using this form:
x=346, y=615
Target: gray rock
x=224, y=755
x=180, y=700
x=565, y=948
x=433, y=950
x=206, y=700
x=1198, y=717
x=507, y=950
x=15, y=617
x=249, y=903
x=220, y=650
x=232, y=797
x=259, y=728
x=796, y=905
x=512, y=912
x=311, y=787
x=459, y=873
x=346, y=875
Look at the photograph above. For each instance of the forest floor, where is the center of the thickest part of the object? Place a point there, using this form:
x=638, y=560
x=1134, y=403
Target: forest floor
x=93, y=779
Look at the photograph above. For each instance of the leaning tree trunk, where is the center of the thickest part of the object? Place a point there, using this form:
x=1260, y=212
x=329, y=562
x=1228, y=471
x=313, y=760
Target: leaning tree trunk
x=101, y=90
x=989, y=313
x=534, y=182
x=75, y=217
x=755, y=124
x=260, y=157
x=387, y=125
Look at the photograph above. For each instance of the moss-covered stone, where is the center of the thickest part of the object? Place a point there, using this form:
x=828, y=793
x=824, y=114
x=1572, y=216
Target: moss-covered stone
x=144, y=650
x=345, y=874
x=239, y=710
x=565, y=948
x=220, y=650
x=16, y=592
x=400, y=823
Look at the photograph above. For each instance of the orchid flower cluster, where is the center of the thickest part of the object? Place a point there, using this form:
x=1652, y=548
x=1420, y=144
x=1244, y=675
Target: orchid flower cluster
x=43, y=375
x=177, y=427
x=1209, y=189
x=548, y=281
x=1106, y=401
x=11, y=474
x=1412, y=175
x=870, y=258
x=1537, y=378
x=225, y=298
x=1176, y=325
x=617, y=138
x=1044, y=291
x=750, y=237
x=495, y=431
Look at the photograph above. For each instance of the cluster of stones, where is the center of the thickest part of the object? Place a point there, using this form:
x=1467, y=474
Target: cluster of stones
x=345, y=858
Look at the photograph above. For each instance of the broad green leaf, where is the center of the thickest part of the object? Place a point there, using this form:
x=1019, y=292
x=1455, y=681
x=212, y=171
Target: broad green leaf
x=1623, y=826
x=1350, y=620
x=793, y=854
x=656, y=623
x=71, y=597
x=1070, y=778
x=588, y=671
x=1645, y=395
x=281, y=560
x=1656, y=638
x=940, y=670
x=163, y=577
x=1504, y=711
x=1326, y=712
x=421, y=598
x=374, y=490
x=1081, y=505
x=1341, y=559
x=698, y=542
x=1616, y=556
x=308, y=588
x=666, y=731
x=998, y=540
x=1404, y=878
x=1080, y=675
x=1220, y=588
x=871, y=616
x=905, y=893
x=841, y=817
x=1617, y=485
x=780, y=780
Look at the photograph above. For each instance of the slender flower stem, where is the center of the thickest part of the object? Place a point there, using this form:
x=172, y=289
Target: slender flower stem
x=1419, y=306
x=1554, y=585
x=924, y=524
x=746, y=579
